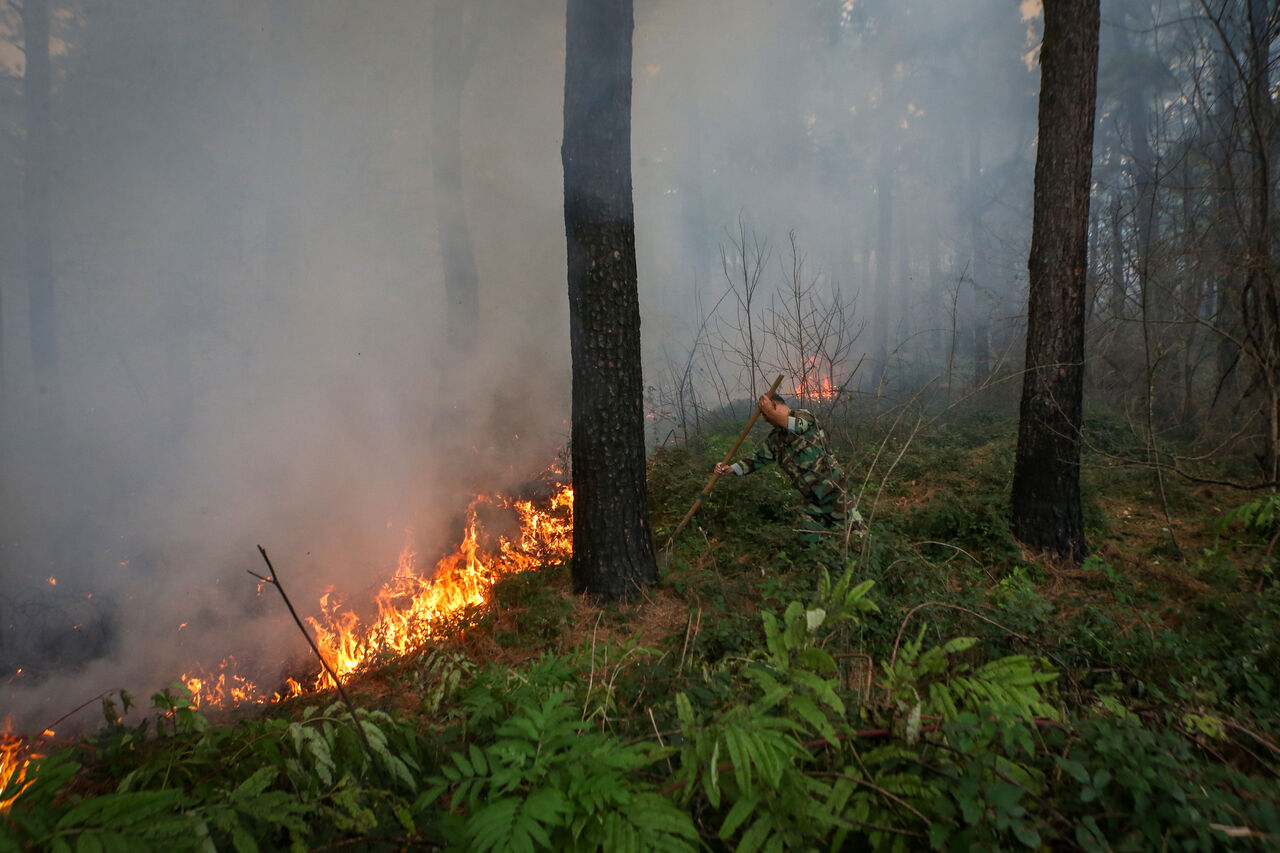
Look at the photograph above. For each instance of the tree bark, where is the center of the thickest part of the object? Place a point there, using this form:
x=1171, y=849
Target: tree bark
x=612, y=544
x=1046, y=505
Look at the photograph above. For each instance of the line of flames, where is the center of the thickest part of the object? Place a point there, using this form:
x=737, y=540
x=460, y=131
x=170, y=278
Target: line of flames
x=411, y=609
x=412, y=606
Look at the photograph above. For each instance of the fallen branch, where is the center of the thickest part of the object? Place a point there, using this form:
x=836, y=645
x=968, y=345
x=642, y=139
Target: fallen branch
x=274, y=580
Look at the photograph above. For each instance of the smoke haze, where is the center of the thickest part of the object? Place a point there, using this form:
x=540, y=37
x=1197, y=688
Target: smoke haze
x=255, y=343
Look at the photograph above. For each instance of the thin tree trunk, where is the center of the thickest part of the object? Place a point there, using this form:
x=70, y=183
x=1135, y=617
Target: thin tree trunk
x=979, y=338
x=884, y=251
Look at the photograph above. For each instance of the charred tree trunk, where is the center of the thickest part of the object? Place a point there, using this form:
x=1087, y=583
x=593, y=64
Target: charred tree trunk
x=36, y=184
x=612, y=545
x=1046, y=477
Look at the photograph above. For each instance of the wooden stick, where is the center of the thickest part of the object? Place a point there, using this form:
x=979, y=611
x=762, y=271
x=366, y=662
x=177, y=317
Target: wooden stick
x=274, y=580
x=697, y=502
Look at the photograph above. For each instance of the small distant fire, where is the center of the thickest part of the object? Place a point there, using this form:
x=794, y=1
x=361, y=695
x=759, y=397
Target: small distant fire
x=412, y=604
x=815, y=384
x=15, y=755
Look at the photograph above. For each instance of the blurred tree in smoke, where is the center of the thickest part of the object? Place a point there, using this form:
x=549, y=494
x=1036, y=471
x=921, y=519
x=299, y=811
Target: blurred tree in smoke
x=612, y=544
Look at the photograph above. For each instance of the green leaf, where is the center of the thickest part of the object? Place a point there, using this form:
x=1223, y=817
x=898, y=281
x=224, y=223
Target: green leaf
x=255, y=784
x=741, y=810
x=1074, y=768
x=88, y=842
x=1003, y=795
x=1027, y=835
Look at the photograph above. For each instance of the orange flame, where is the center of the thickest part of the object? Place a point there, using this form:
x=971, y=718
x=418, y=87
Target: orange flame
x=412, y=605
x=15, y=755
x=816, y=384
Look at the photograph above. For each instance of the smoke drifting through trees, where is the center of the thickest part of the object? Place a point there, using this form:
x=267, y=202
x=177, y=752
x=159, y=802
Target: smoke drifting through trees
x=249, y=280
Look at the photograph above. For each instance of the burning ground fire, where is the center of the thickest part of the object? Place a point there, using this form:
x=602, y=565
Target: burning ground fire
x=15, y=755
x=412, y=605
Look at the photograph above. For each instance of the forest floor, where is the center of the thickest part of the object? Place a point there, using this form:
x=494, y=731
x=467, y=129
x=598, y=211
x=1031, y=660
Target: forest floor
x=767, y=695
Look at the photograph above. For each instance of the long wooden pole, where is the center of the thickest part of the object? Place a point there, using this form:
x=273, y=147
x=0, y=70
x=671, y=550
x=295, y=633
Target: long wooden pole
x=697, y=502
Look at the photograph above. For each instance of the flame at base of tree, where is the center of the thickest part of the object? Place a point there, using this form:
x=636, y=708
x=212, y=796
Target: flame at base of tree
x=412, y=605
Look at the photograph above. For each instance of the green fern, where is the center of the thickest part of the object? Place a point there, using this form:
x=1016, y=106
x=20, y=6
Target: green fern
x=929, y=682
x=545, y=779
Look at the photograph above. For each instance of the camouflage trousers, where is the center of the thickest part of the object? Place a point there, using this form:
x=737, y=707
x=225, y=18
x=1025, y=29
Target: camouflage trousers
x=828, y=514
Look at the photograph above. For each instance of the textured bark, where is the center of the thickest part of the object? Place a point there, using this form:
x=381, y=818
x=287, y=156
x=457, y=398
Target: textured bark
x=612, y=544
x=36, y=183
x=1046, y=477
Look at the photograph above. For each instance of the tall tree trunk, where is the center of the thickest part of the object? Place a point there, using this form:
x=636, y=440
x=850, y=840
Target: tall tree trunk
x=36, y=184
x=976, y=306
x=612, y=545
x=1223, y=235
x=1119, y=296
x=452, y=55
x=1260, y=297
x=884, y=251
x=1046, y=505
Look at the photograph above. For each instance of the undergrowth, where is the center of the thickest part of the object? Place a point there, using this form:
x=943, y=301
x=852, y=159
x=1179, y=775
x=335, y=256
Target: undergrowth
x=932, y=688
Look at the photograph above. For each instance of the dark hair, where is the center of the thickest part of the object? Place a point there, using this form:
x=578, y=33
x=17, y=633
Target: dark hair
x=778, y=398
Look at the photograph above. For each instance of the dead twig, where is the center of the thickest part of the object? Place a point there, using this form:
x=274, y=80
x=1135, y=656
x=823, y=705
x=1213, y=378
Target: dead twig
x=274, y=580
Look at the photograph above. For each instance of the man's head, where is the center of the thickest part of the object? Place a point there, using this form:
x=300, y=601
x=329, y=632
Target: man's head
x=775, y=409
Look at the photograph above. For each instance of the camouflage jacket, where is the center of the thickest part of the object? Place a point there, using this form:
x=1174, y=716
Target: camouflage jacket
x=800, y=449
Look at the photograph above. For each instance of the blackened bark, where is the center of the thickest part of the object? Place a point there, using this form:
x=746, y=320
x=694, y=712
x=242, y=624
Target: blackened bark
x=36, y=183
x=612, y=544
x=1047, y=512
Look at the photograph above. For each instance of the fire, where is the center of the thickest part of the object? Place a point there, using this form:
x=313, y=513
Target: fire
x=816, y=383
x=225, y=684
x=15, y=755
x=413, y=605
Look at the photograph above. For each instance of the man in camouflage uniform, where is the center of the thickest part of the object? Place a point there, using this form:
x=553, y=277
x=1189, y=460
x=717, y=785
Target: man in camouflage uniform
x=799, y=446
